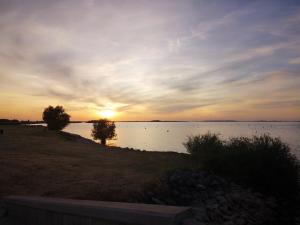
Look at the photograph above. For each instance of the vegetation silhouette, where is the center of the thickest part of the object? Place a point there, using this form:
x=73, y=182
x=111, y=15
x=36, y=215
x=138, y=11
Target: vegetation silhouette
x=103, y=129
x=56, y=117
x=261, y=162
x=9, y=122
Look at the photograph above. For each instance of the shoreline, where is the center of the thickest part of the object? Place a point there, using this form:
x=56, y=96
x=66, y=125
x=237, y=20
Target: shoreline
x=17, y=122
x=36, y=161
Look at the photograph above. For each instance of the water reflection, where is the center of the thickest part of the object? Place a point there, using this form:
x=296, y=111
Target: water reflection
x=168, y=136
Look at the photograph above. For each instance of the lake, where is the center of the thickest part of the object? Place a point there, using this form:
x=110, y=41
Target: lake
x=169, y=136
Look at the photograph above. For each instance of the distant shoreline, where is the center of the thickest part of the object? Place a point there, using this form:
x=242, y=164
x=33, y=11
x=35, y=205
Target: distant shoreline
x=15, y=122
x=201, y=121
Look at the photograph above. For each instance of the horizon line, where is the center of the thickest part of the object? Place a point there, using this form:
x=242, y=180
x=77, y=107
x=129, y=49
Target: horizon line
x=158, y=121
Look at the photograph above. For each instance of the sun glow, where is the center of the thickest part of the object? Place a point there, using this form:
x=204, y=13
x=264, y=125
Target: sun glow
x=107, y=113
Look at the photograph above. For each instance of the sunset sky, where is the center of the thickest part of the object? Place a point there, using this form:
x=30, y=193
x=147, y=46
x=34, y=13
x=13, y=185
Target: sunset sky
x=145, y=60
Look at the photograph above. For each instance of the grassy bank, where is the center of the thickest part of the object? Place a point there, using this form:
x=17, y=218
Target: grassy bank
x=35, y=161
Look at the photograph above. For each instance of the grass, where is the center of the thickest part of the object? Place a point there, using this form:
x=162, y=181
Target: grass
x=35, y=161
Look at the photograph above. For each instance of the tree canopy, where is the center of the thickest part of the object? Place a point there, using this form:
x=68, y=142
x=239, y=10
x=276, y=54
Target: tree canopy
x=103, y=129
x=56, y=117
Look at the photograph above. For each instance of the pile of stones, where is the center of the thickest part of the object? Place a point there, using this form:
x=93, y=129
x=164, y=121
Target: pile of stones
x=214, y=200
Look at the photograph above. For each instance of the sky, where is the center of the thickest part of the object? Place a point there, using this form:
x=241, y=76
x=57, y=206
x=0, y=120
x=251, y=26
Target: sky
x=151, y=59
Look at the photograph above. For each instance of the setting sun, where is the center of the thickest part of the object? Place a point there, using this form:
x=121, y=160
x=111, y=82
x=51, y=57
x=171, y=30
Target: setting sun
x=107, y=113
x=115, y=106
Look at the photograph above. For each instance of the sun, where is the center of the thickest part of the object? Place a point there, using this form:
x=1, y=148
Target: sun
x=107, y=113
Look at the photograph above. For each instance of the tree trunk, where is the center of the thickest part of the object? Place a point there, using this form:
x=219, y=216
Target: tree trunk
x=103, y=141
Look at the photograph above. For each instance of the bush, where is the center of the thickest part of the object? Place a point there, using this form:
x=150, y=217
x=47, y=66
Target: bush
x=56, y=118
x=203, y=144
x=261, y=162
x=103, y=129
x=204, y=148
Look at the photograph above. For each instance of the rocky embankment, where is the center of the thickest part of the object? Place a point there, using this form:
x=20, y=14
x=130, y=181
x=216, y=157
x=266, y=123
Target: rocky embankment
x=214, y=200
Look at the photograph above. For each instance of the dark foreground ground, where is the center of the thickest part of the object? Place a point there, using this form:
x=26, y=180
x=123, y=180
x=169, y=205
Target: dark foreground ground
x=35, y=161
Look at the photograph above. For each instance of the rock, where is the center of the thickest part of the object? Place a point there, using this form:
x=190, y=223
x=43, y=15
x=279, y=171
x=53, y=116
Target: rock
x=227, y=217
x=170, y=201
x=212, y=206
x=157, y=201
x=3, y=212
x=200, y=213
x=271, y=202
x=175, y=192
x=215, y=200
x=229, y=223
x=221, y=199
x=190, y=182
x=240, y=221
x=200, y=187
x=192, y=222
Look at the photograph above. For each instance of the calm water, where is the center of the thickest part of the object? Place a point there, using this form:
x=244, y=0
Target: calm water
x=169, y=136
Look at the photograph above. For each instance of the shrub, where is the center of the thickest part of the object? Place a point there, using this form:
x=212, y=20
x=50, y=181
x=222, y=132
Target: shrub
x=103, y=129
x=203, y=144
x=56, y=118
x=261, y=162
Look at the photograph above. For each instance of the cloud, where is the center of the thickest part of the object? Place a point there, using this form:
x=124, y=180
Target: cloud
x=174, y=45
x=273, y=104
x=294, y=61
x=156, y=57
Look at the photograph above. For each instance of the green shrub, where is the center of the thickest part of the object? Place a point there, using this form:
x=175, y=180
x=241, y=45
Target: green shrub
x=261, y=162
x=201, y=145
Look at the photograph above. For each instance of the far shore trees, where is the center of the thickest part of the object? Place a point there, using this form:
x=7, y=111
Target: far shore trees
x=103, y=129
x=56, y=117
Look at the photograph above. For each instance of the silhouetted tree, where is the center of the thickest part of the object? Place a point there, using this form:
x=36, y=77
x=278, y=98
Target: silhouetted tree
x=56, y=118
x=103, y=129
